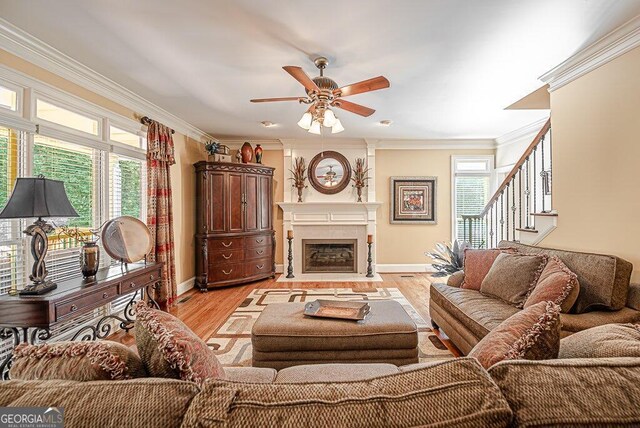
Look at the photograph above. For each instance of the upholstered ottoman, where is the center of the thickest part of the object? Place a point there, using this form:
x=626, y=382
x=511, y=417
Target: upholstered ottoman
x=283, y=336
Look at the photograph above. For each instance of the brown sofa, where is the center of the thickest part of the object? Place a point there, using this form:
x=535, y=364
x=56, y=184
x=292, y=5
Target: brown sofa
x=455, y=392
x=606, y=296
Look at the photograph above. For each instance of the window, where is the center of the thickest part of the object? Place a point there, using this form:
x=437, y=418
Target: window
x=8, y=99
x=126, y=186
x=472, y=178
x=125, y=137
x=61, y=116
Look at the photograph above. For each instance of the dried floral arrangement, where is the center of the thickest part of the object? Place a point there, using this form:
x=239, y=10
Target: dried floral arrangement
x=80, y=236
x=360, y=176
x=211, y=147
x=298, y=176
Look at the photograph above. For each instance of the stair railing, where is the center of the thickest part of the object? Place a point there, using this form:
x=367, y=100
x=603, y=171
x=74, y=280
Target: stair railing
x=526, y=190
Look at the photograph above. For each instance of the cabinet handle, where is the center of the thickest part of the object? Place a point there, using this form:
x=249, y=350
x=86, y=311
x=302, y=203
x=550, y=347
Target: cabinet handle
x=151, y=277
x=260, y=251
x=260, y=241
x=105, y=295
x=227, y=257
x=227, y=245
x=259, y=266
x=73, y=308
x=132, y=284
x=227, y=273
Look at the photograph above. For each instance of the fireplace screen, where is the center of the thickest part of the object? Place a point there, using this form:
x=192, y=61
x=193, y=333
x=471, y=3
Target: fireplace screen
x=329, y=255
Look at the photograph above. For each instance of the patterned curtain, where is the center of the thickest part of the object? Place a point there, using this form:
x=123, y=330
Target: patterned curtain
x=160, y=157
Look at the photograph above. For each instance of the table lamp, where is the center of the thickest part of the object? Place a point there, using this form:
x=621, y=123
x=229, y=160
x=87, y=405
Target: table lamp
x=38, y=197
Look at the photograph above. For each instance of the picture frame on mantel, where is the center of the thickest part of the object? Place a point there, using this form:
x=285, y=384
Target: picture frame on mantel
x=413, y=200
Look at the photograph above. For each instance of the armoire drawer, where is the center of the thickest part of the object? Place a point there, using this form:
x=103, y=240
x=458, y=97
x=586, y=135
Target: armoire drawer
x=219, y=244
x=258, y=266
x=257, y=241
x=257, y=252
x=225, y=272
x=226, y=256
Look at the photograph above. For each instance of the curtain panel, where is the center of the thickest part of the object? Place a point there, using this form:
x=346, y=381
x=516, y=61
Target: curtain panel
x=160, y=157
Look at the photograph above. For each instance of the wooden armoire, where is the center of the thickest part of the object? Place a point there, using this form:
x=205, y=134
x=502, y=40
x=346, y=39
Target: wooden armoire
x=235, y=240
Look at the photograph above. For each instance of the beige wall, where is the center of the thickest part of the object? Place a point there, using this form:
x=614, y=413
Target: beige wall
x=404, y=243
x=275, y=158
x=596, y=161
x=188, y=151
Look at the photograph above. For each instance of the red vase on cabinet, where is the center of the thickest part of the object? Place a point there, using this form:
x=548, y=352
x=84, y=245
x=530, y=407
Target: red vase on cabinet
x=247, y=152
x=258, y=152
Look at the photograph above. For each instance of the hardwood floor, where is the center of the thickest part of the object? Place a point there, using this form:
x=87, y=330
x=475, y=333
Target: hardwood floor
x=204, y=313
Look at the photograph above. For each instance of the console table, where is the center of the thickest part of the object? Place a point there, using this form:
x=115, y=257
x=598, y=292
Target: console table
x=29, y=319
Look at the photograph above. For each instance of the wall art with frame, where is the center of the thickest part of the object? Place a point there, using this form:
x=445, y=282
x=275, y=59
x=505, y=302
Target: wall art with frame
x=413, y=200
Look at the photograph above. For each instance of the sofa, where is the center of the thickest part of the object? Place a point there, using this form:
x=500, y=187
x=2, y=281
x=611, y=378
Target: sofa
x=606, y=296
x=455, y=392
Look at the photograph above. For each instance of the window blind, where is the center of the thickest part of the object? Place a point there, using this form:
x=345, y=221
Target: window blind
x=471, y=196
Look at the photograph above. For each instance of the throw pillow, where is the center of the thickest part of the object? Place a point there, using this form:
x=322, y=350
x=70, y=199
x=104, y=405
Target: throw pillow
x=477, y=264
x=531, y=334
x=556, y=284
x=512, y=276
x=79, y=361
x=604, y=341
x=169, y=349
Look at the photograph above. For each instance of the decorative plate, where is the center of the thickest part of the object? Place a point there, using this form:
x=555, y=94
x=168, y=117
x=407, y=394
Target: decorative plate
x=126, y=239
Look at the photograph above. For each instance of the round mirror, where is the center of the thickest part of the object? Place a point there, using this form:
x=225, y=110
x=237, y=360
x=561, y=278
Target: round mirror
x=329, y=172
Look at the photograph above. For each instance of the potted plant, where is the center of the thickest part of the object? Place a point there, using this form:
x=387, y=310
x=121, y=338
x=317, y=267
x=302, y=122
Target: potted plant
x=449, y=258
x=360, y=177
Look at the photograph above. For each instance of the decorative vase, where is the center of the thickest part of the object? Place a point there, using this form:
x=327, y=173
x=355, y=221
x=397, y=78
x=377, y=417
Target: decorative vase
x=300, y=189
x=359, y=191
x=258, y=152
x=247, y=152
x=89, y=259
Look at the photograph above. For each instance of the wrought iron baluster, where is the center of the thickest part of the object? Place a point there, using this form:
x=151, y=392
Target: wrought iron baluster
x=491, y=226
x=527, y=195
x=507, y=213
x=520, y=195
x=542, y=171
x=550, y=177
x=502, y=215
x=535, y=180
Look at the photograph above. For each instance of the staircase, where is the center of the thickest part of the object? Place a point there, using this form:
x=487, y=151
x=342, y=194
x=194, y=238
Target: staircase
x=521, y=209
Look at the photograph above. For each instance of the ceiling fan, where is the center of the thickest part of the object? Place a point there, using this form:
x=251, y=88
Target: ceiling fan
x=322, y=93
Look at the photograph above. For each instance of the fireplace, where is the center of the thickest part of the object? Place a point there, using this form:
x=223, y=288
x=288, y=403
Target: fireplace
x=329, y=255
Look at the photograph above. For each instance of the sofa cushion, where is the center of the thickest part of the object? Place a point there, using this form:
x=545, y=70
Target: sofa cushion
x=604, y=280
x=168, y=348
x=531, y=334
x=477, y=263
x=512, y=276
x=477, y=312
x=415, y=398
x=556, y=284
x=572, y=323
x=250, y=374
x=101, y=404
x=79, y=361
x=598, y=392
x=334, y=372
x=610, y=340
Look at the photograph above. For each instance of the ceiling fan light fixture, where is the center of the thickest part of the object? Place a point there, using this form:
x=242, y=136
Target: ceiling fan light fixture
x=315, y=127
x=305, y=121
x=329, y=118
x=337, y=127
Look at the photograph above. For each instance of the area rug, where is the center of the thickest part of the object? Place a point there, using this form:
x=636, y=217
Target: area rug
x=232, y=341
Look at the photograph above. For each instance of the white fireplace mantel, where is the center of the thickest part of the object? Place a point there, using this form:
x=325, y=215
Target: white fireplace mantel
x=330, y=218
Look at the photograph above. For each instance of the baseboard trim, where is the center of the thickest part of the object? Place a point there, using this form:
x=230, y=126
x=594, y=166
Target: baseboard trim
x=401, y=268
x=279, y=268
x=186, y=286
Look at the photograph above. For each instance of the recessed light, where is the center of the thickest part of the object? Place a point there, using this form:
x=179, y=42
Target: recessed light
x=268, y=124
x=386, y=122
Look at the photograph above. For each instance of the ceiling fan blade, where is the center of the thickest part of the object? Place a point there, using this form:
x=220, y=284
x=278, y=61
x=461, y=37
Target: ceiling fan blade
x=368, y=85
x=353, y=107
x=302, y=77
x=269, y=100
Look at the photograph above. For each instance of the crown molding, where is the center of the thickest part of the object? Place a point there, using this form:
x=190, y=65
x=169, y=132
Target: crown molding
x=22, y=44
x=453, y=144
x=526, y=132
x=616, y=43
x=271, y=144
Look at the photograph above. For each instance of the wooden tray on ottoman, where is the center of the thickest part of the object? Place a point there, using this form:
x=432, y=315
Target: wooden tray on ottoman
x=356, y=311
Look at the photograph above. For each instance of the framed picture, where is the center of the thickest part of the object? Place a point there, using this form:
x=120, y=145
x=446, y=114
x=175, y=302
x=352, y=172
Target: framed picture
x=413, y=200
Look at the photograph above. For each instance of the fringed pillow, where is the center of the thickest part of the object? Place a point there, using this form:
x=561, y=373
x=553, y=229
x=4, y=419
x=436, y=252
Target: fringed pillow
x=556, y=284
x=78, y=361
x=169, y=349
x=477, y=264
x=531, y=334
x=512, y=276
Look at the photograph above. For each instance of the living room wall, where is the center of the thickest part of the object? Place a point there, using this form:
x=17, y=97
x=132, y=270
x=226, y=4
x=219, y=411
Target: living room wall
x=188, y=151
x=407, y=243
x=596, y=159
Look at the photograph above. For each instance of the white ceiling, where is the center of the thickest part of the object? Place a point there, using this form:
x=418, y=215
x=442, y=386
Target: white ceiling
x=454, y=65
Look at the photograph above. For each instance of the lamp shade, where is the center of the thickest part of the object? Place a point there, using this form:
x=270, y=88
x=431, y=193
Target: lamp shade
x=38, y=197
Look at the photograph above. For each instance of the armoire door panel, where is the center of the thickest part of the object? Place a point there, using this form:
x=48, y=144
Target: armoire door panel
x=235, y=197
x=251, y=208
x=215, y=197
x=265, y=203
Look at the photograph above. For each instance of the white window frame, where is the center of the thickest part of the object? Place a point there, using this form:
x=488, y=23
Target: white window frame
x=19, y=90
x=37, y=96
x=454, y=172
